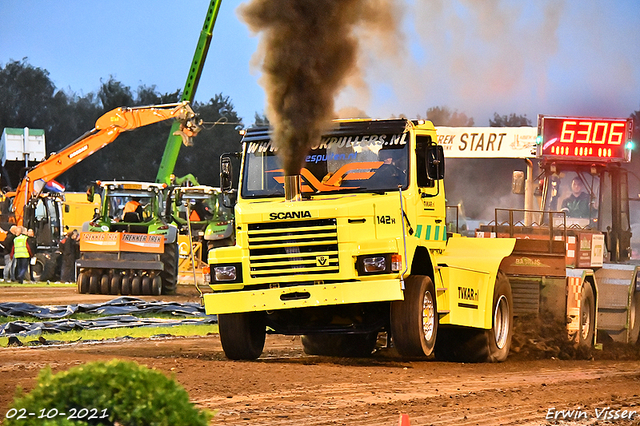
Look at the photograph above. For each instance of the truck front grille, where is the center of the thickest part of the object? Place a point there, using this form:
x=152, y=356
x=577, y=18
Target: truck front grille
x=280, y=249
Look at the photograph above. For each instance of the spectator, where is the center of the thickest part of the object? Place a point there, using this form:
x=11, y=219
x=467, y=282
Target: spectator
x=33, y=246
x=8, y=257
x=69, y=248
x=21, y=254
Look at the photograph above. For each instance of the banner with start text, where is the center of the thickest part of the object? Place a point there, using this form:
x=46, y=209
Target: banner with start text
x=488, y=142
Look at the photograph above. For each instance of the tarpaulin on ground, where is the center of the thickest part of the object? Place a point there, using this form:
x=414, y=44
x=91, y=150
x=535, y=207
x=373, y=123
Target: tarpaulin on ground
x=120, y=313
x=119, y=306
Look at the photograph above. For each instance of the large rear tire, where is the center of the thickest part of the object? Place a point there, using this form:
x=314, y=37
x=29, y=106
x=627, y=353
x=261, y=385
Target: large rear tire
x=340, y=345
x=414, y=320
x=242, y=335
x=170, y=273
x=587, y=317
x=478, y=345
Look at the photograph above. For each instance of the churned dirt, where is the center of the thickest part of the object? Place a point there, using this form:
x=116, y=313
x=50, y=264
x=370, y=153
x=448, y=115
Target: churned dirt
x=287, y=387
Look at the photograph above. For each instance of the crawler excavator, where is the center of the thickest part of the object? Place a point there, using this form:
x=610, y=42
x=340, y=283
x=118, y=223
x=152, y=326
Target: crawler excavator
x=29, y=200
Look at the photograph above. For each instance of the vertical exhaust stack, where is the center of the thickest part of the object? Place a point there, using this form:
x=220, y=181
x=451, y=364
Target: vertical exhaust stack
x=292, y=188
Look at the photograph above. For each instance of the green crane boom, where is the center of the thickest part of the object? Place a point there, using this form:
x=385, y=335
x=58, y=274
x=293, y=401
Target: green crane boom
x=172, y=148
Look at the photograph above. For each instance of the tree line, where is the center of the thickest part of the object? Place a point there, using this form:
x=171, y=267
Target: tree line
x=28, y=98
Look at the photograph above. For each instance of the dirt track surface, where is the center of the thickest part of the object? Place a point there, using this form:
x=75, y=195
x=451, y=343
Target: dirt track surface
x=287, y=387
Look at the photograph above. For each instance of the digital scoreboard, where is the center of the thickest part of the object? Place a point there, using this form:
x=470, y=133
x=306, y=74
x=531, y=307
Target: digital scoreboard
x=582, y=138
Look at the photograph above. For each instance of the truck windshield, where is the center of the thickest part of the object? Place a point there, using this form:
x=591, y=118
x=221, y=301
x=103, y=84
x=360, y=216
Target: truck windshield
x=576, y=194
x=121, y=202
x=356, y=163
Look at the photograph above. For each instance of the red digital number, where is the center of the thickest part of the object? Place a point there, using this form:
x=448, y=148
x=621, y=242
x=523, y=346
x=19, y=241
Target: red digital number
x=598, y=132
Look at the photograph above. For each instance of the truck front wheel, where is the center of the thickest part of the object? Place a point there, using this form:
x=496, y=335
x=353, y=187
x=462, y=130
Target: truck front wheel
x=414, y=320
x=242, y=335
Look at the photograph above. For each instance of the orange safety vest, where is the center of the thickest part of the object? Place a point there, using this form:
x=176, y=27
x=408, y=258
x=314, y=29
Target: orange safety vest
x=131, y=206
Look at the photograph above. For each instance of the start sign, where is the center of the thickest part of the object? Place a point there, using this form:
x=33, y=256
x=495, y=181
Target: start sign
x=582, y=138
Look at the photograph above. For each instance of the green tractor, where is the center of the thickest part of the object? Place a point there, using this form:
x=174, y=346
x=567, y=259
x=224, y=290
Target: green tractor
x=130, y=246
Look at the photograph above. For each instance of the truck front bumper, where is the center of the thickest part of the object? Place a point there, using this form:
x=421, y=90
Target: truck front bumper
x=303, y=296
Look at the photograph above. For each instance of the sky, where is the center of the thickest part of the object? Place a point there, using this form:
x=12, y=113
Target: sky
x=559, y=57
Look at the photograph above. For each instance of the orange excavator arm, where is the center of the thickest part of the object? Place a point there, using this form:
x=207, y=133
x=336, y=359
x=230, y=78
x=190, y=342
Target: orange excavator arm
x=107, y=129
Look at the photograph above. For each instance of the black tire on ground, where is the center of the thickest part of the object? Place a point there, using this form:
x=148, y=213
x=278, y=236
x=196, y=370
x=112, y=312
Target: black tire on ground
x=104, y=284
x=340, y=345
x=94, y=284
x=146, y=285
x=587, y=316
x=414, y=320
x=44, y=268
x=125, y=285
x=156, y=286
x=114, y=288
x=136, y=286
x=477, y=345
x=242, y=335
x=83, y=283
x=634, y=319
x=170, y=273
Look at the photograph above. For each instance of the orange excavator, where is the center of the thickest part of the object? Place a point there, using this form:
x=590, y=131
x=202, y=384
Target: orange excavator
x=107, y=129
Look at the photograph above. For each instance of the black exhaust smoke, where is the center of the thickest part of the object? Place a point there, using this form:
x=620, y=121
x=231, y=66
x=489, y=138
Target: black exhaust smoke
x=307, y=50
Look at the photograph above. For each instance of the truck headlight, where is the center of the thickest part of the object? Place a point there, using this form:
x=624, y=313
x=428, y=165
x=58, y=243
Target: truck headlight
x=374, y=264
x=225, y=273
x=383, y=263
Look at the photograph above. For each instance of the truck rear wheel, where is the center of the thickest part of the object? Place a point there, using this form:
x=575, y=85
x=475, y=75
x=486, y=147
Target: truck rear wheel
x=414, y=320
x=170, y=273
x=340, y=345
x=476, y=345
x=587, y=316
x=242, y=335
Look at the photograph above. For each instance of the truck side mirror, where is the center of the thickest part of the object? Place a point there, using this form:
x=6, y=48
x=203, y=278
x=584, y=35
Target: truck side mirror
x=225, y=173
x=517, y=182
x=435, y=162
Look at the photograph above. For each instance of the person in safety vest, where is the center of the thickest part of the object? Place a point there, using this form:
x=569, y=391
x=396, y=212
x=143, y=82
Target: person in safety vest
x=21, y=254
x=133, y=206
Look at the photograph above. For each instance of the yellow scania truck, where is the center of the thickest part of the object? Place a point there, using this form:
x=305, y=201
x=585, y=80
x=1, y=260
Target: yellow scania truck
x=357, y=245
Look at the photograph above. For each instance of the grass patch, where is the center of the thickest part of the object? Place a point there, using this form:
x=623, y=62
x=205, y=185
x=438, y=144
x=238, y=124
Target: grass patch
x=38, y=284
x=114, y=333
